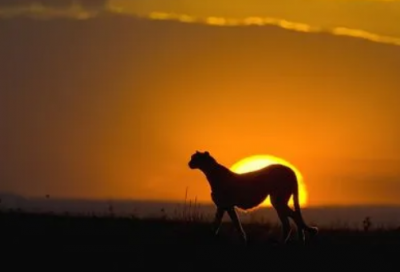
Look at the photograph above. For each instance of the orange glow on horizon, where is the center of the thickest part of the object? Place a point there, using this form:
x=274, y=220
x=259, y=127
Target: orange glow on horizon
x=257, y=162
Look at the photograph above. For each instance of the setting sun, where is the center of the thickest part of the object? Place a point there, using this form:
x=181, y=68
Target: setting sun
x=256, y=162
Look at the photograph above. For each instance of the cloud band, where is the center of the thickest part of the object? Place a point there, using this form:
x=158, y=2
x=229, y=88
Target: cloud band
x=79, y=12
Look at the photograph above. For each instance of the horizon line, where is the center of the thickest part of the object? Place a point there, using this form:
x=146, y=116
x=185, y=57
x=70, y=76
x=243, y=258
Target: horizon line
x=182, y=202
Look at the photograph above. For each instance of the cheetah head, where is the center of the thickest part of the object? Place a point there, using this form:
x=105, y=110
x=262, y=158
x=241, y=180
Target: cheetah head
x=200, y=160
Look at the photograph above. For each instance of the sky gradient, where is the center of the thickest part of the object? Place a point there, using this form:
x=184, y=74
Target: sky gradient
x=102, y=100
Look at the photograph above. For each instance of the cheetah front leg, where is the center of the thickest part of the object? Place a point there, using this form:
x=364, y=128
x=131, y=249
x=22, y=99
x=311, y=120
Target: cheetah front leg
x=219, y=214
x=236, y=222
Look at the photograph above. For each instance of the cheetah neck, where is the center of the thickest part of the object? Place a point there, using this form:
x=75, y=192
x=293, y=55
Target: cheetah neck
x=216, y=175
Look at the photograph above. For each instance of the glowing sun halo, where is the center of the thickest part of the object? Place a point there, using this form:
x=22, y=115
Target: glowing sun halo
x=256, y=162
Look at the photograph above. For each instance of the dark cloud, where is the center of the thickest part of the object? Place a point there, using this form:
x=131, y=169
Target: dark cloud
x=53, y=3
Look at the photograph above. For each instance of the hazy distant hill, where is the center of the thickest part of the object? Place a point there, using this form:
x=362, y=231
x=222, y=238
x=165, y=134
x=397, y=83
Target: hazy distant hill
x=338, y=216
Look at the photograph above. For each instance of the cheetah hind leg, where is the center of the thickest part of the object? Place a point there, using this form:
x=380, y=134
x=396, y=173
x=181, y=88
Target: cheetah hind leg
x=286, y=228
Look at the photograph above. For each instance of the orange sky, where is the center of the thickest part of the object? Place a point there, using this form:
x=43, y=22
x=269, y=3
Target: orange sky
x=112, y=106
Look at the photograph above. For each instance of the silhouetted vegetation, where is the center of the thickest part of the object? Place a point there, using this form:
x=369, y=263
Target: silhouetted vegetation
x=126, y=243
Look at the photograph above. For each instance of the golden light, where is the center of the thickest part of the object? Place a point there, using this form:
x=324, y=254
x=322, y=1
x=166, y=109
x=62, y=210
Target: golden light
x=256, y=162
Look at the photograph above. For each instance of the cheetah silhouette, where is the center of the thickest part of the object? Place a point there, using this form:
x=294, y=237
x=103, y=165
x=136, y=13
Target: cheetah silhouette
x=247, y=191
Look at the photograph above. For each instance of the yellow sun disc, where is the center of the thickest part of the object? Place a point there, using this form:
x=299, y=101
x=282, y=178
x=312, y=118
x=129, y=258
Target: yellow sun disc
x=257, y=162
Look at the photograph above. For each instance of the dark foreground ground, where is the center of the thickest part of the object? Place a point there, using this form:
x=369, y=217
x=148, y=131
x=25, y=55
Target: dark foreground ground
x=59, y=243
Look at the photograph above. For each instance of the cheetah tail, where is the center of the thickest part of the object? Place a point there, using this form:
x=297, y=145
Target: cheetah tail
x=297, y=209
